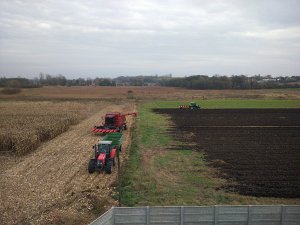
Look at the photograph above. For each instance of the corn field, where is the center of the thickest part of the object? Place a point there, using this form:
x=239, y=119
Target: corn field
x=24, y=124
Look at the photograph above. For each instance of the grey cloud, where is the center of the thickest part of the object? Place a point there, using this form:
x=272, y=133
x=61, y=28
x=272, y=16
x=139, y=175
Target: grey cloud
x=147, y=37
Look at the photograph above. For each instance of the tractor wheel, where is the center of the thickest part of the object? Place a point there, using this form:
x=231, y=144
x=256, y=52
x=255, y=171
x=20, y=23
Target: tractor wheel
x=91, y=167
x=114, y=161
x=108, y=166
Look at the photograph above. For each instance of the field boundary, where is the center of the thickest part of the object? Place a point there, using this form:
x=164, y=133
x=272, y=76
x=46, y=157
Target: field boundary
x=200, y=215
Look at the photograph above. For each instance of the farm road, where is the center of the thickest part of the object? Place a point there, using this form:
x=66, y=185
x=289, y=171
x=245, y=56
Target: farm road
x=52, y=185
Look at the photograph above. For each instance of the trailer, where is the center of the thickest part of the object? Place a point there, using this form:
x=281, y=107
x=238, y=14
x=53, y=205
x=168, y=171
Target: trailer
x=105, y=152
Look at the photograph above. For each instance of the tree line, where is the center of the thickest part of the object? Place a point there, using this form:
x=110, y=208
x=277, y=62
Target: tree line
x=190, y=82
x=232, y=82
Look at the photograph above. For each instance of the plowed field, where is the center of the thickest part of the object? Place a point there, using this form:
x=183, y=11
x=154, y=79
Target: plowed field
x=257, y=150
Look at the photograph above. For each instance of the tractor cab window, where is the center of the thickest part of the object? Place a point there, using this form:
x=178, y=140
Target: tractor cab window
x=104, y=148
x=109, y=120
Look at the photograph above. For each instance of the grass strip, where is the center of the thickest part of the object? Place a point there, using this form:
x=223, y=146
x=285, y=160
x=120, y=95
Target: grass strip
x=232, y=103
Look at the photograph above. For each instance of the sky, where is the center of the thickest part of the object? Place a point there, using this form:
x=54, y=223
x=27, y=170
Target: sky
x=134, y=37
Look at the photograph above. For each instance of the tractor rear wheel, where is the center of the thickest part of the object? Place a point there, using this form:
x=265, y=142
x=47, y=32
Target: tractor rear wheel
x=91, y=167
x=108, y=166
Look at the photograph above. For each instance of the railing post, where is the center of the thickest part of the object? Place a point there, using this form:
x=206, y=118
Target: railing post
x=147, y=215
x=113, y=215
x=216, y=214
x=249, y=215
x=181, y=215
x=282, y=215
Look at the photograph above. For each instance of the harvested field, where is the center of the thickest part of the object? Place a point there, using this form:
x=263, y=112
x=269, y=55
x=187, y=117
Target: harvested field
x=156, y=92
x=257, y=150
x=25, y=124
x=51, y=185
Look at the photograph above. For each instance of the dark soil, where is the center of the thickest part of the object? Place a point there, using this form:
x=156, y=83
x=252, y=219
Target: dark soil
x=257, y=149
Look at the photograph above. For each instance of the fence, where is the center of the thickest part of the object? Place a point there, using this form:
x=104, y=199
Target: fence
x=202, y=215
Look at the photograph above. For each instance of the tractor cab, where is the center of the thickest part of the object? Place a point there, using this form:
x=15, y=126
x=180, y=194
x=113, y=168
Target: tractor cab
x=104, y=147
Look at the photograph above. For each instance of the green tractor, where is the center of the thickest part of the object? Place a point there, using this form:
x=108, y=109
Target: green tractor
x=192, y=105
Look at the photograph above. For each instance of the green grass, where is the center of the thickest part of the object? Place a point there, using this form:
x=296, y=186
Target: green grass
x=156, y=175
x=231, y=103
x=129, y=197
x=146, y=135
x=150, y=125
x=291, y=89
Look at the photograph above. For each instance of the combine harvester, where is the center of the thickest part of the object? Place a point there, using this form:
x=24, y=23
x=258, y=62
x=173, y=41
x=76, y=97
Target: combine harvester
x=114, y=122
x=192, y=105
x=105, y=153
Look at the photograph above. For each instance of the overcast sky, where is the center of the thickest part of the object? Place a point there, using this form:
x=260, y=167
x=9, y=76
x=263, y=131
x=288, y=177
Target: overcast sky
x=183, y=37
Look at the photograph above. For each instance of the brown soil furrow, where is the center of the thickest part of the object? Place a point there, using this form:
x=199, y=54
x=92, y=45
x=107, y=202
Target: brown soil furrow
x=258, y=149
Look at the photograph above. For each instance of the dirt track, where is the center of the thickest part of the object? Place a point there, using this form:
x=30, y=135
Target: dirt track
x=52, y=185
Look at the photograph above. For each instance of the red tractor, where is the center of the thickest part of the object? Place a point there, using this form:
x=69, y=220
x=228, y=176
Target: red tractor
x=105, y=153
x=114, y=122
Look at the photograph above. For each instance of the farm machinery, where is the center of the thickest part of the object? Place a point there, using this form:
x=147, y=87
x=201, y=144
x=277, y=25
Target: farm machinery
x=106, y=151
x=192, y=105
x=114, y=122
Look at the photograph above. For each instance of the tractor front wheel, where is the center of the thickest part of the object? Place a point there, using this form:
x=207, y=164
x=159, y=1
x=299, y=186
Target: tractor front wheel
x=108, y=166
x=91, y=167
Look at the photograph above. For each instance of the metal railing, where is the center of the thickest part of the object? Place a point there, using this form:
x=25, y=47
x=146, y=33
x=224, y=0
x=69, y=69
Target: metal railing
x=202, y=215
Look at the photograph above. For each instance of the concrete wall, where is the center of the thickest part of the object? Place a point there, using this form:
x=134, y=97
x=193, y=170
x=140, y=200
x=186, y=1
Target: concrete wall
x=202, y=215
